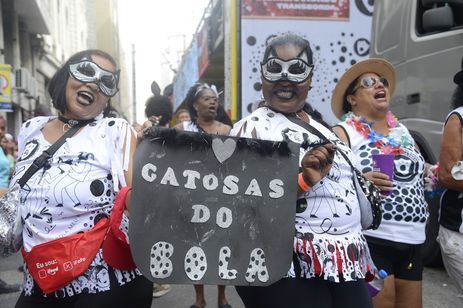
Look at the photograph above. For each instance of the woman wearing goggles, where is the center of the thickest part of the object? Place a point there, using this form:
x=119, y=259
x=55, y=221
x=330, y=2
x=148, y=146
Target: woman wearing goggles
x=87, y=71
x=294, y=70
x=362, y=99
x=321, y=275
x=85, y=175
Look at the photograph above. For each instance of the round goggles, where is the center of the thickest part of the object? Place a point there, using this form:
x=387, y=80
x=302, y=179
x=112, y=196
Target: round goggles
x=370, y=82
x=87, y=71
x=294, y=70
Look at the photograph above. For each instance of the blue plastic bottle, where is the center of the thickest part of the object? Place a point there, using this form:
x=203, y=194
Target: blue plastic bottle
x=377, y=284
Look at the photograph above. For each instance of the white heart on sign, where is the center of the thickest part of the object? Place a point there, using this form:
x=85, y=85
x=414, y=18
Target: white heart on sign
x=223, y=149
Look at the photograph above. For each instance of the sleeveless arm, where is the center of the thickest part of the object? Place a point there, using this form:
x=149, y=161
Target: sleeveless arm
x=342, y=134
x=451, y=152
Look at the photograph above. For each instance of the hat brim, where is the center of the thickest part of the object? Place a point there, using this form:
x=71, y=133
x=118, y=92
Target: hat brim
x=378, y=66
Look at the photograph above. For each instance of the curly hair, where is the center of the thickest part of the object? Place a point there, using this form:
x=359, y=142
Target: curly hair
x=58, y=83
x=159, y=106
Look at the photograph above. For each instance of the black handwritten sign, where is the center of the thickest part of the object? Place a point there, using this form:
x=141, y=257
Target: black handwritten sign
x=210, y=209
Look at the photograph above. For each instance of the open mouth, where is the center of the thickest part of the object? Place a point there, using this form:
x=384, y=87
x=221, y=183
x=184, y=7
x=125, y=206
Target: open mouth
x=380, y=95
x=284, y=94
x=85, y=98
x=212, y=109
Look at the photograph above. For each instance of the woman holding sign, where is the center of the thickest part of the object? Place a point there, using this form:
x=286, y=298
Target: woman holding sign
x=330, y=255
x=388, y=156
x=203, y=103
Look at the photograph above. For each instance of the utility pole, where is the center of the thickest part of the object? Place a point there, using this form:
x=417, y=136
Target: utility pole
x=134, y=90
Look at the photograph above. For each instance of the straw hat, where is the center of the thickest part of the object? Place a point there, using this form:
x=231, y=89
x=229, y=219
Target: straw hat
x=458, y=78
x=378, y=66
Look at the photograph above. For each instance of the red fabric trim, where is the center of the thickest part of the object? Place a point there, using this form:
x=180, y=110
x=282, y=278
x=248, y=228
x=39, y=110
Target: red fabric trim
x=316, y=262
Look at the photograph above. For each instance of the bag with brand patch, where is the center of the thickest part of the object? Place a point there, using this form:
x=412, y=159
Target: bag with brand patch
x=56, y=263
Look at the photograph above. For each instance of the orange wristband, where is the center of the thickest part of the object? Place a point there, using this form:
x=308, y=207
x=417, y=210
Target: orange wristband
x=302, y=183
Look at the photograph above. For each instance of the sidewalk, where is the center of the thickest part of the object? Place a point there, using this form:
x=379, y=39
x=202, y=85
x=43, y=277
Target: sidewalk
x=438, y=290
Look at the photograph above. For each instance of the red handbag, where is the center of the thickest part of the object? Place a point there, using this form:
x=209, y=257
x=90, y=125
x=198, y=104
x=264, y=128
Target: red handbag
x=116, y=250
x=56, y=263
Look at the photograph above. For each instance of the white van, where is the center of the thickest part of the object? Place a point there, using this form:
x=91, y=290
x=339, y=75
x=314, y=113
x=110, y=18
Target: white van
x=423, y=39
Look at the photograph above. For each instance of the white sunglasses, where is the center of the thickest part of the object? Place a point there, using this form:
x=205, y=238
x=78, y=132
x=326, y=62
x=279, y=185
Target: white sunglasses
x=87, y=71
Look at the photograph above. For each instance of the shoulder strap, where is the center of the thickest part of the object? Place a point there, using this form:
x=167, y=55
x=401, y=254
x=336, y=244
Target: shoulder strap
x=40, y=161
x=306, y=126
x=316, y=132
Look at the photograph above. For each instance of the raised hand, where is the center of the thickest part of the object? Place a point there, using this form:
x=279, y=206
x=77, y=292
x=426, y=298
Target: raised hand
x=317, y=163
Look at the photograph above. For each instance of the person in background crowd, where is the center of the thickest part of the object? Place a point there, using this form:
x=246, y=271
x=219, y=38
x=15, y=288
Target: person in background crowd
x=158, y=110
x=451, y=177
x=82, y=179
x=182, y=116
x=8, y=144
x=4, y=162
x=330, y=255
x=362, y=99
x=202, y=102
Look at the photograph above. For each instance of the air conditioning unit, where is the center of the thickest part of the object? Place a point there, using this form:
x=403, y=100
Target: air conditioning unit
x=22, y=79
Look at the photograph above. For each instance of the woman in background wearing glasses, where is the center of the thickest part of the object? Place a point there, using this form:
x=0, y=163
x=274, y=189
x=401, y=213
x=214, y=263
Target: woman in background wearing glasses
x=361, y=99
x=78, y=185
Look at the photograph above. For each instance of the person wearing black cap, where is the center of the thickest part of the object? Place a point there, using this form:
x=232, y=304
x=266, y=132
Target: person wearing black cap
x=451, y=177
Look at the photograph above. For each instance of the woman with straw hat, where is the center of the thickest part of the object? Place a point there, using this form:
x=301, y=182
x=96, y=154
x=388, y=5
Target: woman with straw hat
x=361, y=99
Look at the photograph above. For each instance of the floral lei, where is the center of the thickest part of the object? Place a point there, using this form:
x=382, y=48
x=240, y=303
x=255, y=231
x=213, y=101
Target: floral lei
x=393, y=143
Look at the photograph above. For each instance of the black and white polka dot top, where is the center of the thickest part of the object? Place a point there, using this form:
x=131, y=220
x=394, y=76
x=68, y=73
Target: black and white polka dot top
x=405, y=209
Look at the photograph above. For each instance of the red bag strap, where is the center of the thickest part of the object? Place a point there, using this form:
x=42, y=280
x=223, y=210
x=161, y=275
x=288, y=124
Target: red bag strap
x=118, y=209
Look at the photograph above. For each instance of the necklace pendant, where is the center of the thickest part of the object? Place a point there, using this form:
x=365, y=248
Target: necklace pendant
x=72, y=122
x=66, y=127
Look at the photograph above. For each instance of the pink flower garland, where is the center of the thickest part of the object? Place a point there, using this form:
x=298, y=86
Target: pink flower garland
x=391, y=144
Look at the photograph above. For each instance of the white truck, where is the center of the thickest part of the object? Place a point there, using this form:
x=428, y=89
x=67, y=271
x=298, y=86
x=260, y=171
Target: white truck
x=424, y=41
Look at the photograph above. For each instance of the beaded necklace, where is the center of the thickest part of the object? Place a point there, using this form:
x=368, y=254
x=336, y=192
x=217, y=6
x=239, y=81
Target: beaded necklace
x=393, y=143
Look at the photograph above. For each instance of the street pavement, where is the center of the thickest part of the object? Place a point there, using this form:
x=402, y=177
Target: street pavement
x=438, y=290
